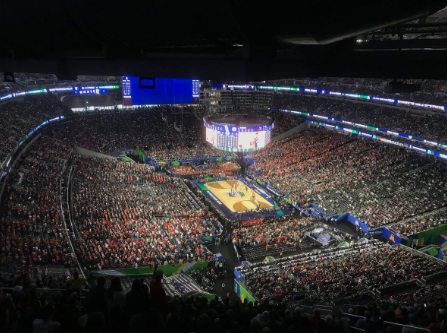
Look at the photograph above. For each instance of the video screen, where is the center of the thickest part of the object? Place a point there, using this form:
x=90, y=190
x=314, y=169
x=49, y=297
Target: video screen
x=210, y=135
x=242, y=139
x=158, y=91
x=253, y=140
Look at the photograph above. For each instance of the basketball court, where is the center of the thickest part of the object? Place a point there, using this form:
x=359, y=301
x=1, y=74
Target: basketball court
x=237, y=196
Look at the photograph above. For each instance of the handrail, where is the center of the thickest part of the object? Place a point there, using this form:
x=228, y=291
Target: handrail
x=409, y=326
x=322, y=306
x=69, y=206
x=237, y=253
x=71, y=222
x=323, y=310
x=351, y=315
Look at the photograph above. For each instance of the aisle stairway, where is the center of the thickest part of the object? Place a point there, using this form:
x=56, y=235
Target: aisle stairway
x=183, y=284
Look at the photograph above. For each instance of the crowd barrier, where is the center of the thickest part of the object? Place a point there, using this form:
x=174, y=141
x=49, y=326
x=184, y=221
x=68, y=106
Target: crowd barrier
x=433, y=236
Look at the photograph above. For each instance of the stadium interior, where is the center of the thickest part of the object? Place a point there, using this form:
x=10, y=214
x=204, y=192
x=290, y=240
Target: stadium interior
x=234, y=167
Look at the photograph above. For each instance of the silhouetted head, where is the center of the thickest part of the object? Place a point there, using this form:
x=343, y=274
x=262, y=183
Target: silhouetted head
x=158, y=275
x=136, y=285
x=115, y=284
x=101, y=281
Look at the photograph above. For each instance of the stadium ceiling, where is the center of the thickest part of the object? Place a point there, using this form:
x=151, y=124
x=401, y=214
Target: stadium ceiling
x=227, y=39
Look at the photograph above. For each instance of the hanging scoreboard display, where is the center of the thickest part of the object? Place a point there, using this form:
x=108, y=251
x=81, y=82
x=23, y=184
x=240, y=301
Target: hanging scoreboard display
x=238, y=138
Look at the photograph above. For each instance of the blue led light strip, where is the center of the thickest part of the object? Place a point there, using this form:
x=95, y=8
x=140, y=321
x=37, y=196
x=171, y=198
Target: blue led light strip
x=378, y=137
x=368, y=127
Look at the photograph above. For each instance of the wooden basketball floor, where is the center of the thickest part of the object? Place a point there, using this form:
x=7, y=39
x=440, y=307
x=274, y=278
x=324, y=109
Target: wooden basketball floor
x=242, y=201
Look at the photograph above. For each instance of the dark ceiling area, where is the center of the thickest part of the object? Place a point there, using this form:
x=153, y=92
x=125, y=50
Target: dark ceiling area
x=226, y=40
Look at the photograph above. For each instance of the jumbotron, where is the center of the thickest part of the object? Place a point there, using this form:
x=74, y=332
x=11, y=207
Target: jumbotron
x=238, y=133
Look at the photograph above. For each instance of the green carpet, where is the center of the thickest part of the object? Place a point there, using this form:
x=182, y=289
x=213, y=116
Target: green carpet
x=198, y=266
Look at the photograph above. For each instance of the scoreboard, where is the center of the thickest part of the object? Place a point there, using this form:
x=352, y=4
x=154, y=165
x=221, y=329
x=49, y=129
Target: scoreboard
x=238, y=139
x=159, y=91
x=90, y=90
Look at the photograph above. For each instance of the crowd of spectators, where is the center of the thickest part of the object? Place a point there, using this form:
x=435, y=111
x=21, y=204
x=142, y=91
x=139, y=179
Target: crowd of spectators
x=129, y=215
x=429, y=294
x=284, y=121
x=144, y=307
x=18, y=118
x=329, y=275
x=32, y=230
x=215, y=169
x=268, y=236
x=114, y=133
x=376, y=183
x=207, y=276
x=422, y=125
x=420, y=223
x=35, y=276
x=395, y=317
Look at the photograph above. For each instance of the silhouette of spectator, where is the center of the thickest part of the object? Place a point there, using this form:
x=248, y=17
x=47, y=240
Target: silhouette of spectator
x=95, y=323
x=114, y=295
x=76, y=283
x=316, y=322
x=366, y=323
x=150, y=320
x=44, y=322
x=96, y=299
x=157, y=291
x=116, y=323
x=136, y=300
